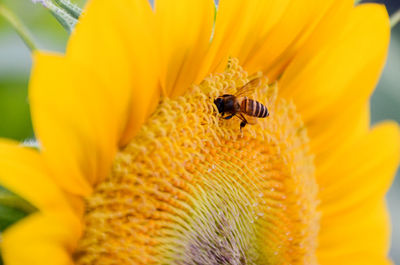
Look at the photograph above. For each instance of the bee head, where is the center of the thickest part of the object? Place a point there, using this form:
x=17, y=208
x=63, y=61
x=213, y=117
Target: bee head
x=219, y=102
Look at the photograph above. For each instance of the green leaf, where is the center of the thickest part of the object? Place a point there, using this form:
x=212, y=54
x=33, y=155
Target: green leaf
x=12, y=201
x=12, y=208
x=9, y=216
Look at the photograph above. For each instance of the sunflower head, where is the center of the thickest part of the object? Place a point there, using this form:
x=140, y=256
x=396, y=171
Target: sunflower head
x=192, y=189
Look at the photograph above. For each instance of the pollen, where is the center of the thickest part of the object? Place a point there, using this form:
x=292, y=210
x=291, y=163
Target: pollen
x=191, y=188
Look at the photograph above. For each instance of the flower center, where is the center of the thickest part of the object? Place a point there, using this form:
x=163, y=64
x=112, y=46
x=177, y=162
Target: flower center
x=191, y=188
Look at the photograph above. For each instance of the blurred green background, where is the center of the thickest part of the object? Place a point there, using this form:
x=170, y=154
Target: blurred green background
x=15, y=63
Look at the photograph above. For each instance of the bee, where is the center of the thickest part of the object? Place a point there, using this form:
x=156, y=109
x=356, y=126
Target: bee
x=246, y=109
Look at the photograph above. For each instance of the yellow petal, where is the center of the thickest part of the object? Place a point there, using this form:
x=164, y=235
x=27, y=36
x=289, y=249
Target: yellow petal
x=340, y=63
x=184, y=29
x=357, y=259
x=342, y=60
x=352, y=188
x=360, y=236
x=238, y=27
x=41, y=239
x=276, y=47
x=117, y=40
x=76, y=120
x=366, y=169
x=23, y=171
x=335, y=132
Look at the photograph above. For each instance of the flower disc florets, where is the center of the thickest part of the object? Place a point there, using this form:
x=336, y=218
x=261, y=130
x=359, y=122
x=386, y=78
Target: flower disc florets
x=191, y=189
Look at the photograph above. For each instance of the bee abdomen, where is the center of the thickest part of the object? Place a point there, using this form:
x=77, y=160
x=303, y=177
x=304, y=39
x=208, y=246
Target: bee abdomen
x=254, y=108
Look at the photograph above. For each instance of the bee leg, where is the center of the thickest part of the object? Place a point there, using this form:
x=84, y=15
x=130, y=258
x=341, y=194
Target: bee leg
x=242, y=124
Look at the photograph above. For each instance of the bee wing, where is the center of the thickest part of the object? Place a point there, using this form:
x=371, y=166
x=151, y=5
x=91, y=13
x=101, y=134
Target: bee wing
x=249, y=88
x=250, y=120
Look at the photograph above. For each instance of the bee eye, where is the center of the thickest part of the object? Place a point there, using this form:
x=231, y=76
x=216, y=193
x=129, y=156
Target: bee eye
x=218, y=101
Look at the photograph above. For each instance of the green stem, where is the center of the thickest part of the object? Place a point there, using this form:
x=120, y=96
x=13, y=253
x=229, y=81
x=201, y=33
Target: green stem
x=356, y=2
x=22, y=31
x=395, y=18
x=71, y=8
x=63, y=17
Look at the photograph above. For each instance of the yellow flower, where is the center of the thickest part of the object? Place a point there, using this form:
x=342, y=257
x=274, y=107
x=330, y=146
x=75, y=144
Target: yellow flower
x=136, y=166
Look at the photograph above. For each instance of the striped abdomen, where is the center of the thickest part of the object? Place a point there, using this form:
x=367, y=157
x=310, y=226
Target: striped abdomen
x=253, y=108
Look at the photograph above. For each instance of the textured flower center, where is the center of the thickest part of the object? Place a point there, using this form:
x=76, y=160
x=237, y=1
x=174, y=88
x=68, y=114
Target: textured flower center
x=192, y=189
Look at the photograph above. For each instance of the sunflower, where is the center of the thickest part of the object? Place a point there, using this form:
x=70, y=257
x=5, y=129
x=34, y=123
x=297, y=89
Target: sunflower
x=136, y=166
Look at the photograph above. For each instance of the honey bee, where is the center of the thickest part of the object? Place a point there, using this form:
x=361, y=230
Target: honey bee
x=246, y=109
